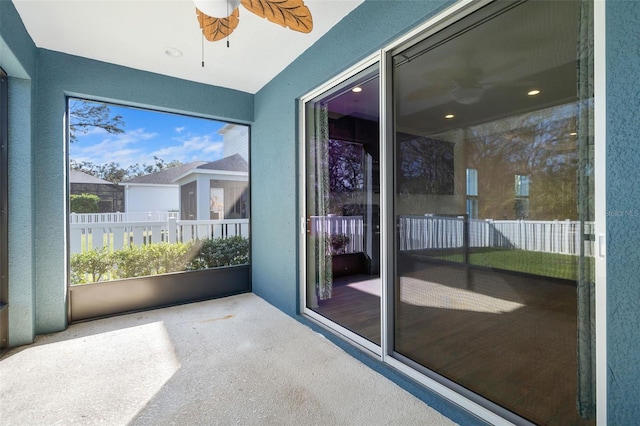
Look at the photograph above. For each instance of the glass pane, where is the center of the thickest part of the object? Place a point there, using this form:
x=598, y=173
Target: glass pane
x=154, y=193
x=493, y=207
x=343, y=204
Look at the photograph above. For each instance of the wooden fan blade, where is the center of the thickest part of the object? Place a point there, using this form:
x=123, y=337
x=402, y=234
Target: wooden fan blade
x=215, y=29
x=288, y=13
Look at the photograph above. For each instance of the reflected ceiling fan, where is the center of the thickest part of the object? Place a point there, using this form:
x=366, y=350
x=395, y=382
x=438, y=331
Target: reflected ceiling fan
x=466, y=84
x=218, y=18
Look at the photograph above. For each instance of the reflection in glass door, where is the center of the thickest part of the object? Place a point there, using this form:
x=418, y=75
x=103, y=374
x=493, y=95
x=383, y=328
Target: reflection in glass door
x=493, y=207
x=343, y=205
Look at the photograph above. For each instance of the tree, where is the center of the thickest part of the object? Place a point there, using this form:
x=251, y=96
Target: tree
x=84, y=203
x=86, y=115
x=113, y=173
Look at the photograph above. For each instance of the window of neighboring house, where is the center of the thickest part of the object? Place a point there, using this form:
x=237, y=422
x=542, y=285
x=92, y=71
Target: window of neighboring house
x=521, y=205
x=141, y=202
x=472, y=193
x=4, y=204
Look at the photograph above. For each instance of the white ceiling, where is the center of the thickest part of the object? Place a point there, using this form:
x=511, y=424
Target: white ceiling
x=137, y=33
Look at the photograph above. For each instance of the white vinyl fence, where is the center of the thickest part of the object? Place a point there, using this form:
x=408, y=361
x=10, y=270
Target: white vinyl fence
x=120, y=217
x=437, y=232
x=117, y=235
x=351, y=226
x=440, y=232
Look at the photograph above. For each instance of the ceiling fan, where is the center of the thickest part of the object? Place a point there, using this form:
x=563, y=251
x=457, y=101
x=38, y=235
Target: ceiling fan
x=218, y=18
x=464, y=82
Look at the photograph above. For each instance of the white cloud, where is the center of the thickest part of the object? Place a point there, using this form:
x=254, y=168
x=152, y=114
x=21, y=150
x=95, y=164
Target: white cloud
x=192, y=148
x=141, y=146
x=123, y=148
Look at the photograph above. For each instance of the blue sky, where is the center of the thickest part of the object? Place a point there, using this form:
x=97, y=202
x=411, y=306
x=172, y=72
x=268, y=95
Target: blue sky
x=148, y=134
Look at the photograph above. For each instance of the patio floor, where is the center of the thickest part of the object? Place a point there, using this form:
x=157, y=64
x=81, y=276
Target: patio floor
x=236, y=360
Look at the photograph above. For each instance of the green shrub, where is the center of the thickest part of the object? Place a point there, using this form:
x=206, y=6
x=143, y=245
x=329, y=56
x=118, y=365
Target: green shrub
x=90, y=266
x=154, y=259
x=84, y=203
x=218, y=252
x=151, y=259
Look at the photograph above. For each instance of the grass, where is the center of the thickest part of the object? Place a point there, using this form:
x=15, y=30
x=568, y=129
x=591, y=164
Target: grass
x=531, y=262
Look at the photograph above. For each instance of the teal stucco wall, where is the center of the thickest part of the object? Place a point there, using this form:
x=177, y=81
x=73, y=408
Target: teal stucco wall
x=275, y=233
x=275, y=244
x=623, y=212
x=18, y=58
x=39, y=81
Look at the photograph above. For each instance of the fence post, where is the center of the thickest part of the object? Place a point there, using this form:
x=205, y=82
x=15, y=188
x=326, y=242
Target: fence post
x=173, y=228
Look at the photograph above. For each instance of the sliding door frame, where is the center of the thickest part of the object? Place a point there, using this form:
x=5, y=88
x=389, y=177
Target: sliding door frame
x=471, y=402
x=371, y=347
x=4, y=211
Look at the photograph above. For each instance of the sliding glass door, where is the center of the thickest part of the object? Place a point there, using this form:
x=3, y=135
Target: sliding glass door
x=343, y=205
x=493, y=204
x=488, y=283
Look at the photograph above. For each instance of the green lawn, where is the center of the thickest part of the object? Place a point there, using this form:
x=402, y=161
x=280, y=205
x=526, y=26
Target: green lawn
x=530, y=262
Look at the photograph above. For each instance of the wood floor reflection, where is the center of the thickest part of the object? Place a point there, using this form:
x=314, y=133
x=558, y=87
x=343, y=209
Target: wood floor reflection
x=510, y=338
x=355, y=305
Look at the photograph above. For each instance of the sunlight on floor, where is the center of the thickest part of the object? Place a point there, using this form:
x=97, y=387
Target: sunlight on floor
x=140, y=358
x=425, y=293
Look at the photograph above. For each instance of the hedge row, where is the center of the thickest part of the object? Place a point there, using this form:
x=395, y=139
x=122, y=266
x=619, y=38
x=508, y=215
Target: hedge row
x=153, y=259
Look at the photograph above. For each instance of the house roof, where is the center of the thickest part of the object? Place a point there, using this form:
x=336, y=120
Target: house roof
x=76, y=176
x=166, y=176
x=233, y=163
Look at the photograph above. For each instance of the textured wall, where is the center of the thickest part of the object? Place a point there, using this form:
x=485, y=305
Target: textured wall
x=39, y=82
x=60, y=75
x=274, y=169
x=18, y=58
x=275, y=142
x=623, y=211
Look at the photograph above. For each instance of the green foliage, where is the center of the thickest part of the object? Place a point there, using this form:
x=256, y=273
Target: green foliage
x=86, y=115
x=84, y=203
x=90, y=266
x=218, y=252
x=338, y=243
x=160, y=258
x=152, y=259
x=114, y=173
x=531, y=262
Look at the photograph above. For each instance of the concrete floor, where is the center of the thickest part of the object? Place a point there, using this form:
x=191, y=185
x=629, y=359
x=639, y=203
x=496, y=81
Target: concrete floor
x=236, y=360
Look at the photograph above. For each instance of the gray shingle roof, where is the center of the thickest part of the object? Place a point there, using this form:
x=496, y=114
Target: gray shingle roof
x=166, y=176
x=233, y=163
x=76, y=176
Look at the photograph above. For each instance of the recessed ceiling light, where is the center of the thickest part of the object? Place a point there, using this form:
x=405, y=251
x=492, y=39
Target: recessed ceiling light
x=357, y=89
x=449, y=116
x=173, y=52
x=533, y=92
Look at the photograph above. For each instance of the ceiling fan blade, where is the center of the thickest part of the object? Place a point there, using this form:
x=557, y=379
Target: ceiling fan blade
x=288, y=13
x=215, y=29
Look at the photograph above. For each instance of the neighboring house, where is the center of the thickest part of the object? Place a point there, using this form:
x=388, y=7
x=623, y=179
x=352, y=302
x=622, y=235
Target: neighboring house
x=155, y=191
x=216, y=190
x=111, y=195
x=236, y=140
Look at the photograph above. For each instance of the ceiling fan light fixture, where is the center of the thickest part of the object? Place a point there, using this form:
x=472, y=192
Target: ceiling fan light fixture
x=217, y=8
x=467, y=95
